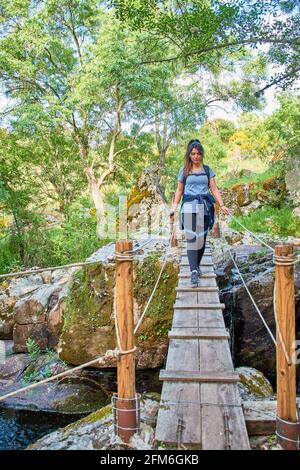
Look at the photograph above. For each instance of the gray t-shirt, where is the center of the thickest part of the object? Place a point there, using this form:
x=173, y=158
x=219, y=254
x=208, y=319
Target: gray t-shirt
x=196, y=184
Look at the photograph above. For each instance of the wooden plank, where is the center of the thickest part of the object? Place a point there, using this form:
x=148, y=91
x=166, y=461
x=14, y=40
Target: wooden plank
x=207, y=275
x=214, y=306
x=203, y=282
x=184, y=248
x=183, y=298
x=216, y=354
x=198, y=376
x=197, y=289
x=185, y=318
x=218, y=401
x=183, y=354
x=198, y=318
x=204, y=333
x=205, y=256
x=204, y=263
x=260, y=417
x=179, y=400
x=203, y=297
x=205, y=269
x=187, y=366
x=207, y=244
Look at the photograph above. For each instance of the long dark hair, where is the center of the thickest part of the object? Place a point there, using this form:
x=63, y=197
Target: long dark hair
x=193, y=144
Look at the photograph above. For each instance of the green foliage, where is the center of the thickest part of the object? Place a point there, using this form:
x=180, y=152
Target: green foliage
x=32, y=376
x=89, y=82
x=271, y=220
x=70, y=241
x=205, y=31
x=213, y=135
x=275, y=170
x=32, y=348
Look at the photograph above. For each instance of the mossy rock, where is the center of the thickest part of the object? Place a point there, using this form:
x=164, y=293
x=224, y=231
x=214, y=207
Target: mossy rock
x=136, y=195
x=254, y=382
x=270, y=183
x=158, y=319
x=89, y=329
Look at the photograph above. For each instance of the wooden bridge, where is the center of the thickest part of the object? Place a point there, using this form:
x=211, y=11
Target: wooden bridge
x=200, y=405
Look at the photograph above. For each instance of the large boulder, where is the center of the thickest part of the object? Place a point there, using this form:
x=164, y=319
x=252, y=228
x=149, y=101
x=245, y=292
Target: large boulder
x=32, y=300
x=244, y=198
x=39, y=315
x=89, y=328
x=24, y=285
x=76, y=394
x=253, y=384
x=146, y=202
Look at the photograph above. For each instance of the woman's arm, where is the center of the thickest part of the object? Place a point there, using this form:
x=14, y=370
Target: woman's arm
x=215, y=191
x=177, y=196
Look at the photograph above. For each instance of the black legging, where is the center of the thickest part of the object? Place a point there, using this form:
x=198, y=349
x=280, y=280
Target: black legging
x=195, y=255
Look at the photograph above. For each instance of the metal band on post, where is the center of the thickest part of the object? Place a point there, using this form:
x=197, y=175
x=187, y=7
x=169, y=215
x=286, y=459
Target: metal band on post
x=288, y=434
x=120, y=429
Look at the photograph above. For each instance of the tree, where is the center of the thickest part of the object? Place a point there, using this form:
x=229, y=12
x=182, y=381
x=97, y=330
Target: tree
x=72, y=61
x=16, y=194
x=203, y=30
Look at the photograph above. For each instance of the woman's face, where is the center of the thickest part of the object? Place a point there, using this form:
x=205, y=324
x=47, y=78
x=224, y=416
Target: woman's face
x=196, y=156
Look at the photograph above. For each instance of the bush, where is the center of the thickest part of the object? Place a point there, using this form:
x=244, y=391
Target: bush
x=72, y=241
x=272, y=220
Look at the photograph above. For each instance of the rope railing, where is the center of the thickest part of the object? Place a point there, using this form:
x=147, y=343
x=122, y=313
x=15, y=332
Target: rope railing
x=109, y=354
x=48, y=268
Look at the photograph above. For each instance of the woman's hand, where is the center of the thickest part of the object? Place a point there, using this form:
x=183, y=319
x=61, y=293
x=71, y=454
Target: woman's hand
x=225, y=210
x=171, y=214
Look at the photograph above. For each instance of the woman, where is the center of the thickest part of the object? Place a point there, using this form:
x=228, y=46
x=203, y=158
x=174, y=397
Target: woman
x=193, y=184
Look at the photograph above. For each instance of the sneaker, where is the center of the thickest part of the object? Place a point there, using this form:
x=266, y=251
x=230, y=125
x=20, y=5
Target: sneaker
x=199, y=272
x=194, y=278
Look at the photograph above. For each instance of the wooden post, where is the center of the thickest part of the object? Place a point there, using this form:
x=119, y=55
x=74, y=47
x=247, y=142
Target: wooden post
x=126, y=363
x=216, y=224
x=285, y=334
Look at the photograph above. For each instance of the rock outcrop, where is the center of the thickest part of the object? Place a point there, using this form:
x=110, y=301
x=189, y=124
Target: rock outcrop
x=244, y=198
x=75, y=394
x=96, y=431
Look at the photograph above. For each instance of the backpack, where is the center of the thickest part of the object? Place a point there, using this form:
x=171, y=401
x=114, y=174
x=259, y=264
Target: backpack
x=211, y=199
x=206, y=169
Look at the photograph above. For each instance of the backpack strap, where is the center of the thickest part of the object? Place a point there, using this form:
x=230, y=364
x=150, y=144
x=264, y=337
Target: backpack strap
x=206, y=169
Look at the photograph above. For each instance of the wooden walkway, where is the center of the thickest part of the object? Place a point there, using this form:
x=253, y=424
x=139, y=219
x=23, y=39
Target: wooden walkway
x=200, y=404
